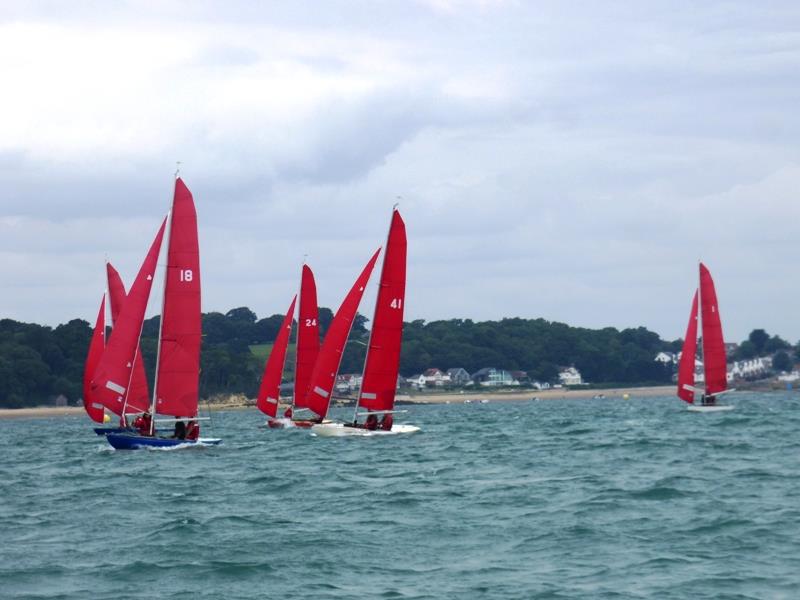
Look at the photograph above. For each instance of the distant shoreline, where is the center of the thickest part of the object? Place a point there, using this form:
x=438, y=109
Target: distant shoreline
x=432, y=398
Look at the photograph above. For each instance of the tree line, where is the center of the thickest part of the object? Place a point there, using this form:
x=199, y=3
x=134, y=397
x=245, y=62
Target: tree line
x=38, y=363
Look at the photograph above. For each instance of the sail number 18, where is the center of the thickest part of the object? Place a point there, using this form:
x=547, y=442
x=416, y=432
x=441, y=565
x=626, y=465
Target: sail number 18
x=186, y=275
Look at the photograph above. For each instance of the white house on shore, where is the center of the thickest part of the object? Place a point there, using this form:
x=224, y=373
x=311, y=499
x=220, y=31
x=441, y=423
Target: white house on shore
x=570, y=376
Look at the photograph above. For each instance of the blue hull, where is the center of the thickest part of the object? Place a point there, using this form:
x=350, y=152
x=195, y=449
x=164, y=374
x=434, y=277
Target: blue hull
x=131, y=441
x=107, y=430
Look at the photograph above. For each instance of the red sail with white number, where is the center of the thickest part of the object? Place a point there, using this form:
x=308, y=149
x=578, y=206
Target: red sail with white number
x=96, y=347
x=320, y=387
x=714, y=360
x=688, y=357
x=113, y=374
x=178, y=369
x=307, y=348
x=382, y=364
x=137, y=397
x=269, y=391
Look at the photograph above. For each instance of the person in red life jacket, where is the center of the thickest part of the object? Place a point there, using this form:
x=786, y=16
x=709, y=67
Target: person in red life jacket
x=143, y=423
x=192, y=431
x=288, y=413
x=371, y=423
x=386, y=423
x=180, y=429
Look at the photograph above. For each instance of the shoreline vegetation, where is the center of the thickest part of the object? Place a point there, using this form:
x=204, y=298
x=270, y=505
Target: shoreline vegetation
x=239, y=401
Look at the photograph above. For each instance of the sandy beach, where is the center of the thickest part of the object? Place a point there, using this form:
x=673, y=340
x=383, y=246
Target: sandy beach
x=431, y=398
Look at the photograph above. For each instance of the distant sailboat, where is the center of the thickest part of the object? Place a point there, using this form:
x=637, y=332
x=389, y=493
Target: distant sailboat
x=706, y=309
x=382, y=364
x=306, y=353
x=176, y=392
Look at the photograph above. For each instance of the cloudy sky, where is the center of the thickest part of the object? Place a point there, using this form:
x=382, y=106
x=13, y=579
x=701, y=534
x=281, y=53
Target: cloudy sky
x=565, y=160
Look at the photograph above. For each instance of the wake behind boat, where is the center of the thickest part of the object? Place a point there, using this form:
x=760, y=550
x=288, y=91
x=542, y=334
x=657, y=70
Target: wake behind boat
x=346, y=429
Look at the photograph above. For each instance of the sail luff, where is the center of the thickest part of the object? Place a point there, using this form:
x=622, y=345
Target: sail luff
x=269, y=390
x=714, y=359
x=382, y=362
x=96, y=348
x=686, y=365
x=323, y=378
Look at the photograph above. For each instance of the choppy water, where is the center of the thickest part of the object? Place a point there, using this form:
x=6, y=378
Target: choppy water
x=551, y=499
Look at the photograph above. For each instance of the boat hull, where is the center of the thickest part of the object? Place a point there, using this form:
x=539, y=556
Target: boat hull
x=107, y=430
x=130, y=441
x=707, y=409
x=342, y=430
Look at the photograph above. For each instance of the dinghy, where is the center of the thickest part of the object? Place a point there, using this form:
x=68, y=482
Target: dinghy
x=705, y=309
x=176, y=389
x=382, y=364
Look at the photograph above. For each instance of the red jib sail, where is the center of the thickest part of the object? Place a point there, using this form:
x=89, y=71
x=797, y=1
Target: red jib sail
x=688, y=357
x=382, y=364
x=113, y=374
x=178, y=371
x=269, y=391
x=714, y=360
x=323, y=378
x=307, y=337
x=137, y=396
x=96, y=347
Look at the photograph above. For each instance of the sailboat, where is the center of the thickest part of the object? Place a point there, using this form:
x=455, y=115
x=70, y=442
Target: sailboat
x=705, y=309
x=321, y=383
x=176, y=389
x=382, y=363
x=307, y=350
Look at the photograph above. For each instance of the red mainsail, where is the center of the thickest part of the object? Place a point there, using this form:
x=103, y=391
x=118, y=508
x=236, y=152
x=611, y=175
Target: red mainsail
x=320, y=387
x=714, y=359
x=382, y=364
x=178, y=369
x=307, y=336
x=138, y=396
x=688, y=357
x=96, y=347
x=113, y=374
x=269, y=391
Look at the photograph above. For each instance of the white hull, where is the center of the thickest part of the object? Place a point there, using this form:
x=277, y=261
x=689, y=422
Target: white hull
x=339, y=430
x=709, y=408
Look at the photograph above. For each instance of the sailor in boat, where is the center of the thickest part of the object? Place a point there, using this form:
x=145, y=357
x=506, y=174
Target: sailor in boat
x=386, y=422
x=371, y=423
x=708, y=400
x=192, y=431
x=143, y=423
x=180, y=429
x=288, y=413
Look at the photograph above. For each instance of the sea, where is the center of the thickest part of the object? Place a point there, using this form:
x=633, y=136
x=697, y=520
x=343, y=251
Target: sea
x=603, y=498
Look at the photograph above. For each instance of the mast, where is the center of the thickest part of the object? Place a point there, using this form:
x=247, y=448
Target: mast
x=297, y=337
x=700, y=322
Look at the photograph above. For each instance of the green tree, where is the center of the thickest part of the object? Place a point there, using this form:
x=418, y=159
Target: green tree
x=781, y=361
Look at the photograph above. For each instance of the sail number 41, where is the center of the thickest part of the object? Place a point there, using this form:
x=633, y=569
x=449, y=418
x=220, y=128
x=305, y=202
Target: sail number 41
x=396, y=303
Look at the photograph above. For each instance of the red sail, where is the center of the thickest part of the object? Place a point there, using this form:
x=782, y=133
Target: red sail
x=178, y=372
x=138, y=396
x=382, y=364
x=113, y=374
x=269, y=392
x=688, y=357
x=714, y=360
x=96, y=347
x=320, y=387
x=307, y=337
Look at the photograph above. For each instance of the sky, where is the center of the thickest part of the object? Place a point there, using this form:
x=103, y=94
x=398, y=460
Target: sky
x=565, y=160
